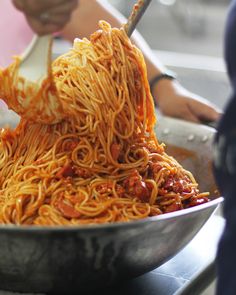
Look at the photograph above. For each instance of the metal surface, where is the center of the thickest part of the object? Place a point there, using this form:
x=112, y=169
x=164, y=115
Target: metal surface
x=135, y=16
x=200, y=282
x=195, y=138
x=178, y=272
x=65, y=260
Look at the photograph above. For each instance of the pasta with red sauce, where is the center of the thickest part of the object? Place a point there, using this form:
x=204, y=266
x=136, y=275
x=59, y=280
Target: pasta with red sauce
x=103, y=162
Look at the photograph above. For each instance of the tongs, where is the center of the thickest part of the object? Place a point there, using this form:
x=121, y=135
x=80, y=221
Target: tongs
x=35, y=67
x=135, y=16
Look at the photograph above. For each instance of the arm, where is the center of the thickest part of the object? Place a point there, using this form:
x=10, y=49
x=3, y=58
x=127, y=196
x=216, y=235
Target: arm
x=171, y=97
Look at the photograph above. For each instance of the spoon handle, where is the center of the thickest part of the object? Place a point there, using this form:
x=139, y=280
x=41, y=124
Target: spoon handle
x=136, y=14
x=37, y=56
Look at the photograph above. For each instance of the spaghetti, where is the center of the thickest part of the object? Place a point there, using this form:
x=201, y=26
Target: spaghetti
x=103, y=163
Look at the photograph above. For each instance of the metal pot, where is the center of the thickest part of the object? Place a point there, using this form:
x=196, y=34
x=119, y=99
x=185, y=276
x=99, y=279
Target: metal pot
x=70, y=259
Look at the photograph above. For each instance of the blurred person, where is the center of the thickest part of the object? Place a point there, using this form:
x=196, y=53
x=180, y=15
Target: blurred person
x=225, y=168
x=172, y=99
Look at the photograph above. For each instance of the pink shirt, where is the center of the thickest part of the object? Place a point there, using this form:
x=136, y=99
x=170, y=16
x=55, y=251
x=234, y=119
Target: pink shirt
x=15, y=32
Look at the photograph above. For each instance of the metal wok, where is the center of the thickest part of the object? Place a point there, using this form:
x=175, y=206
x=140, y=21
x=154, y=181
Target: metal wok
x=68, y=260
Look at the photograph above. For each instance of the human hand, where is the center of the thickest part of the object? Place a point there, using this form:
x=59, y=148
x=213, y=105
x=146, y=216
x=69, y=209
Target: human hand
x=46, y=16
x=175, y=101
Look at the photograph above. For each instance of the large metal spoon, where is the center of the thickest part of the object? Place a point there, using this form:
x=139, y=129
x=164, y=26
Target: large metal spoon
x=35, y=60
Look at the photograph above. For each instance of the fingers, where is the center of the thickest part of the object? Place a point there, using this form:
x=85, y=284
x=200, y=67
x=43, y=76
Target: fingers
x=46, y=16
x=188, y=115
x=204, y=111
x=42, y=29
x=180, y=103
x=197, y=110
x=66, y=7
x=189, y=107
x=60, y=15
x=35, y=7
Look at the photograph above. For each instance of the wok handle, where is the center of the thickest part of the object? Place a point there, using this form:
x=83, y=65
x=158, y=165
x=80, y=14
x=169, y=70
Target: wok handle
x=200, y=282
